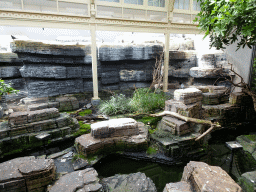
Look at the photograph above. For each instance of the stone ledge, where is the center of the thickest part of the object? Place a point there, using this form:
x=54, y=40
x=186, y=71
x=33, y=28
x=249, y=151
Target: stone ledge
x=87, y=145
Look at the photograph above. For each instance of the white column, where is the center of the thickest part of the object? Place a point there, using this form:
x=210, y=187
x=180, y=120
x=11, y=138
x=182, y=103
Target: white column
x=94, y=62
x=166, y=61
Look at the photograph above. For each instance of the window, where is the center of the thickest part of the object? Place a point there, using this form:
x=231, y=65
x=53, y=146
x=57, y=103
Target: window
x=156, y=3
x=116, y=1
x=181, y=4
x=196, y=6
x=10, y=4
x=40, y=5
x=73, y=8
x=136, y=2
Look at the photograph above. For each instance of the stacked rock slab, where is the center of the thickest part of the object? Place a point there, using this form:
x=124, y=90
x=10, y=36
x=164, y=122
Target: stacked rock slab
x=9, y=70
x=202, y=177
x=22, y=128
x=210, y=67
x=52, y=68
x=26, y=174
x=113, y=135
x=186, y=102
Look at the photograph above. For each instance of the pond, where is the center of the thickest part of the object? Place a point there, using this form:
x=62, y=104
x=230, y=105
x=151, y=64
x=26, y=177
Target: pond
x=159, y=173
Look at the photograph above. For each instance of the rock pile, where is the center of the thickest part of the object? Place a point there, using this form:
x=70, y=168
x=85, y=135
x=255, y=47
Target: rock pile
x=26, y=174
x=113, y=135
x=22, y=128
x=199, y=176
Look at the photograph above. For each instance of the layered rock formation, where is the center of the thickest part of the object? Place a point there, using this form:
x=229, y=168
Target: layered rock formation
x=26, y=174
x=20, y=131
x=9, y=70
x=113, y=135
x=198, y=176
x=137, y=182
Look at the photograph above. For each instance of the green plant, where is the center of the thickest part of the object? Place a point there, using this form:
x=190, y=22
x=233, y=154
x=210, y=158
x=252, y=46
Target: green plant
x=85, y=112
x=148, y=120
x=6, y=88
x=144, y=100
x=228, y=21
x=151, y=151
x=118, y=104
x=251, y=137
x=78, y=156
x=84, y=129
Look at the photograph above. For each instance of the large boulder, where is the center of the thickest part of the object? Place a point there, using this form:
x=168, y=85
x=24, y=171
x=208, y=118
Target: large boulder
x=26, y=174
x=208, y=178
x=135, y=182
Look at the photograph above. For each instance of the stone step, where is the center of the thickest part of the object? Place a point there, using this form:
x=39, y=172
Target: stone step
x=115, y=128
x=63, y=120
x=190, y=110
x=188, y=96
x=175, y=126
x=35, y=107
x=214, y=98
x=17, y=119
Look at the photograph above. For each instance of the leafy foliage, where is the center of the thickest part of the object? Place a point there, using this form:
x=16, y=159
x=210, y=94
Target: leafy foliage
x=253, y=86
x=228, y=21
x=6, y=88
x=144, y=100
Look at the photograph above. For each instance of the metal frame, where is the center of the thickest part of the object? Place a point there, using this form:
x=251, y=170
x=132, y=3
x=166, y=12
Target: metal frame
x=93, y=23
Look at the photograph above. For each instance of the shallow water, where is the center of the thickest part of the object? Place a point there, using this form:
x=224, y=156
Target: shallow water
x=160, y=174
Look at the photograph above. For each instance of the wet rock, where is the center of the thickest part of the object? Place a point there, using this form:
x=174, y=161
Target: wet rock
x=248, y=181
x=188, y=96
x=80, y=164
x=84, y=180
x=26, y=174
x=209, y=178
x=135, y=182
x=181, y=186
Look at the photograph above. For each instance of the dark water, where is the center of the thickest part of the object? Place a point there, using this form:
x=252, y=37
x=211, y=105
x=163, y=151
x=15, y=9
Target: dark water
x=160, y=174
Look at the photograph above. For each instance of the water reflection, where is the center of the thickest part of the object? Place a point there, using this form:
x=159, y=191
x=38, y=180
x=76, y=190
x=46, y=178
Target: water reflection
x=160, y=174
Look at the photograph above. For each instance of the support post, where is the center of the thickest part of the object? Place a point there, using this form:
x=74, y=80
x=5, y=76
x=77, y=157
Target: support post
x=95, y=98
x=166, y=61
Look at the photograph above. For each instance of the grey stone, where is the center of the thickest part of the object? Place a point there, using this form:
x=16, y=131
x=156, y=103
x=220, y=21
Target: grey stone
x=135, y=182
x=74, y=72
x=188, y=96
x=207, y=61
x=9, y=57
x=181, y=44
x=49, y=48
x=79, y=164
x=181, y=186
x=45, y=71
x=76, y=180
x=199, y=72
x=88, y=85
x=17, y=83
x=135, y=75
x=10, y=71
x=209, y=178
x=110, y=77
x=248, y=181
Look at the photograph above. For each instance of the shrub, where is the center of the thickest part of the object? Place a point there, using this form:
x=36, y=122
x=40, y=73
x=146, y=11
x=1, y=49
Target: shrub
x=118, y=104
x=6, y=88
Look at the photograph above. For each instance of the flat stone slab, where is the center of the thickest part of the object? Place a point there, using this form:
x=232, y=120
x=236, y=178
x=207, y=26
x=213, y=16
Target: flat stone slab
x=248, y=181
x=50, y=48
x=134, y=182
x=26, y=173
x=84, y=180
x=188, y=96
x=208, y=178
x=9, y=57
x=198, y=72
x=115, y=128
x=18, y=118
x=181, y=186
x=189, y=110
x=87, y=144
